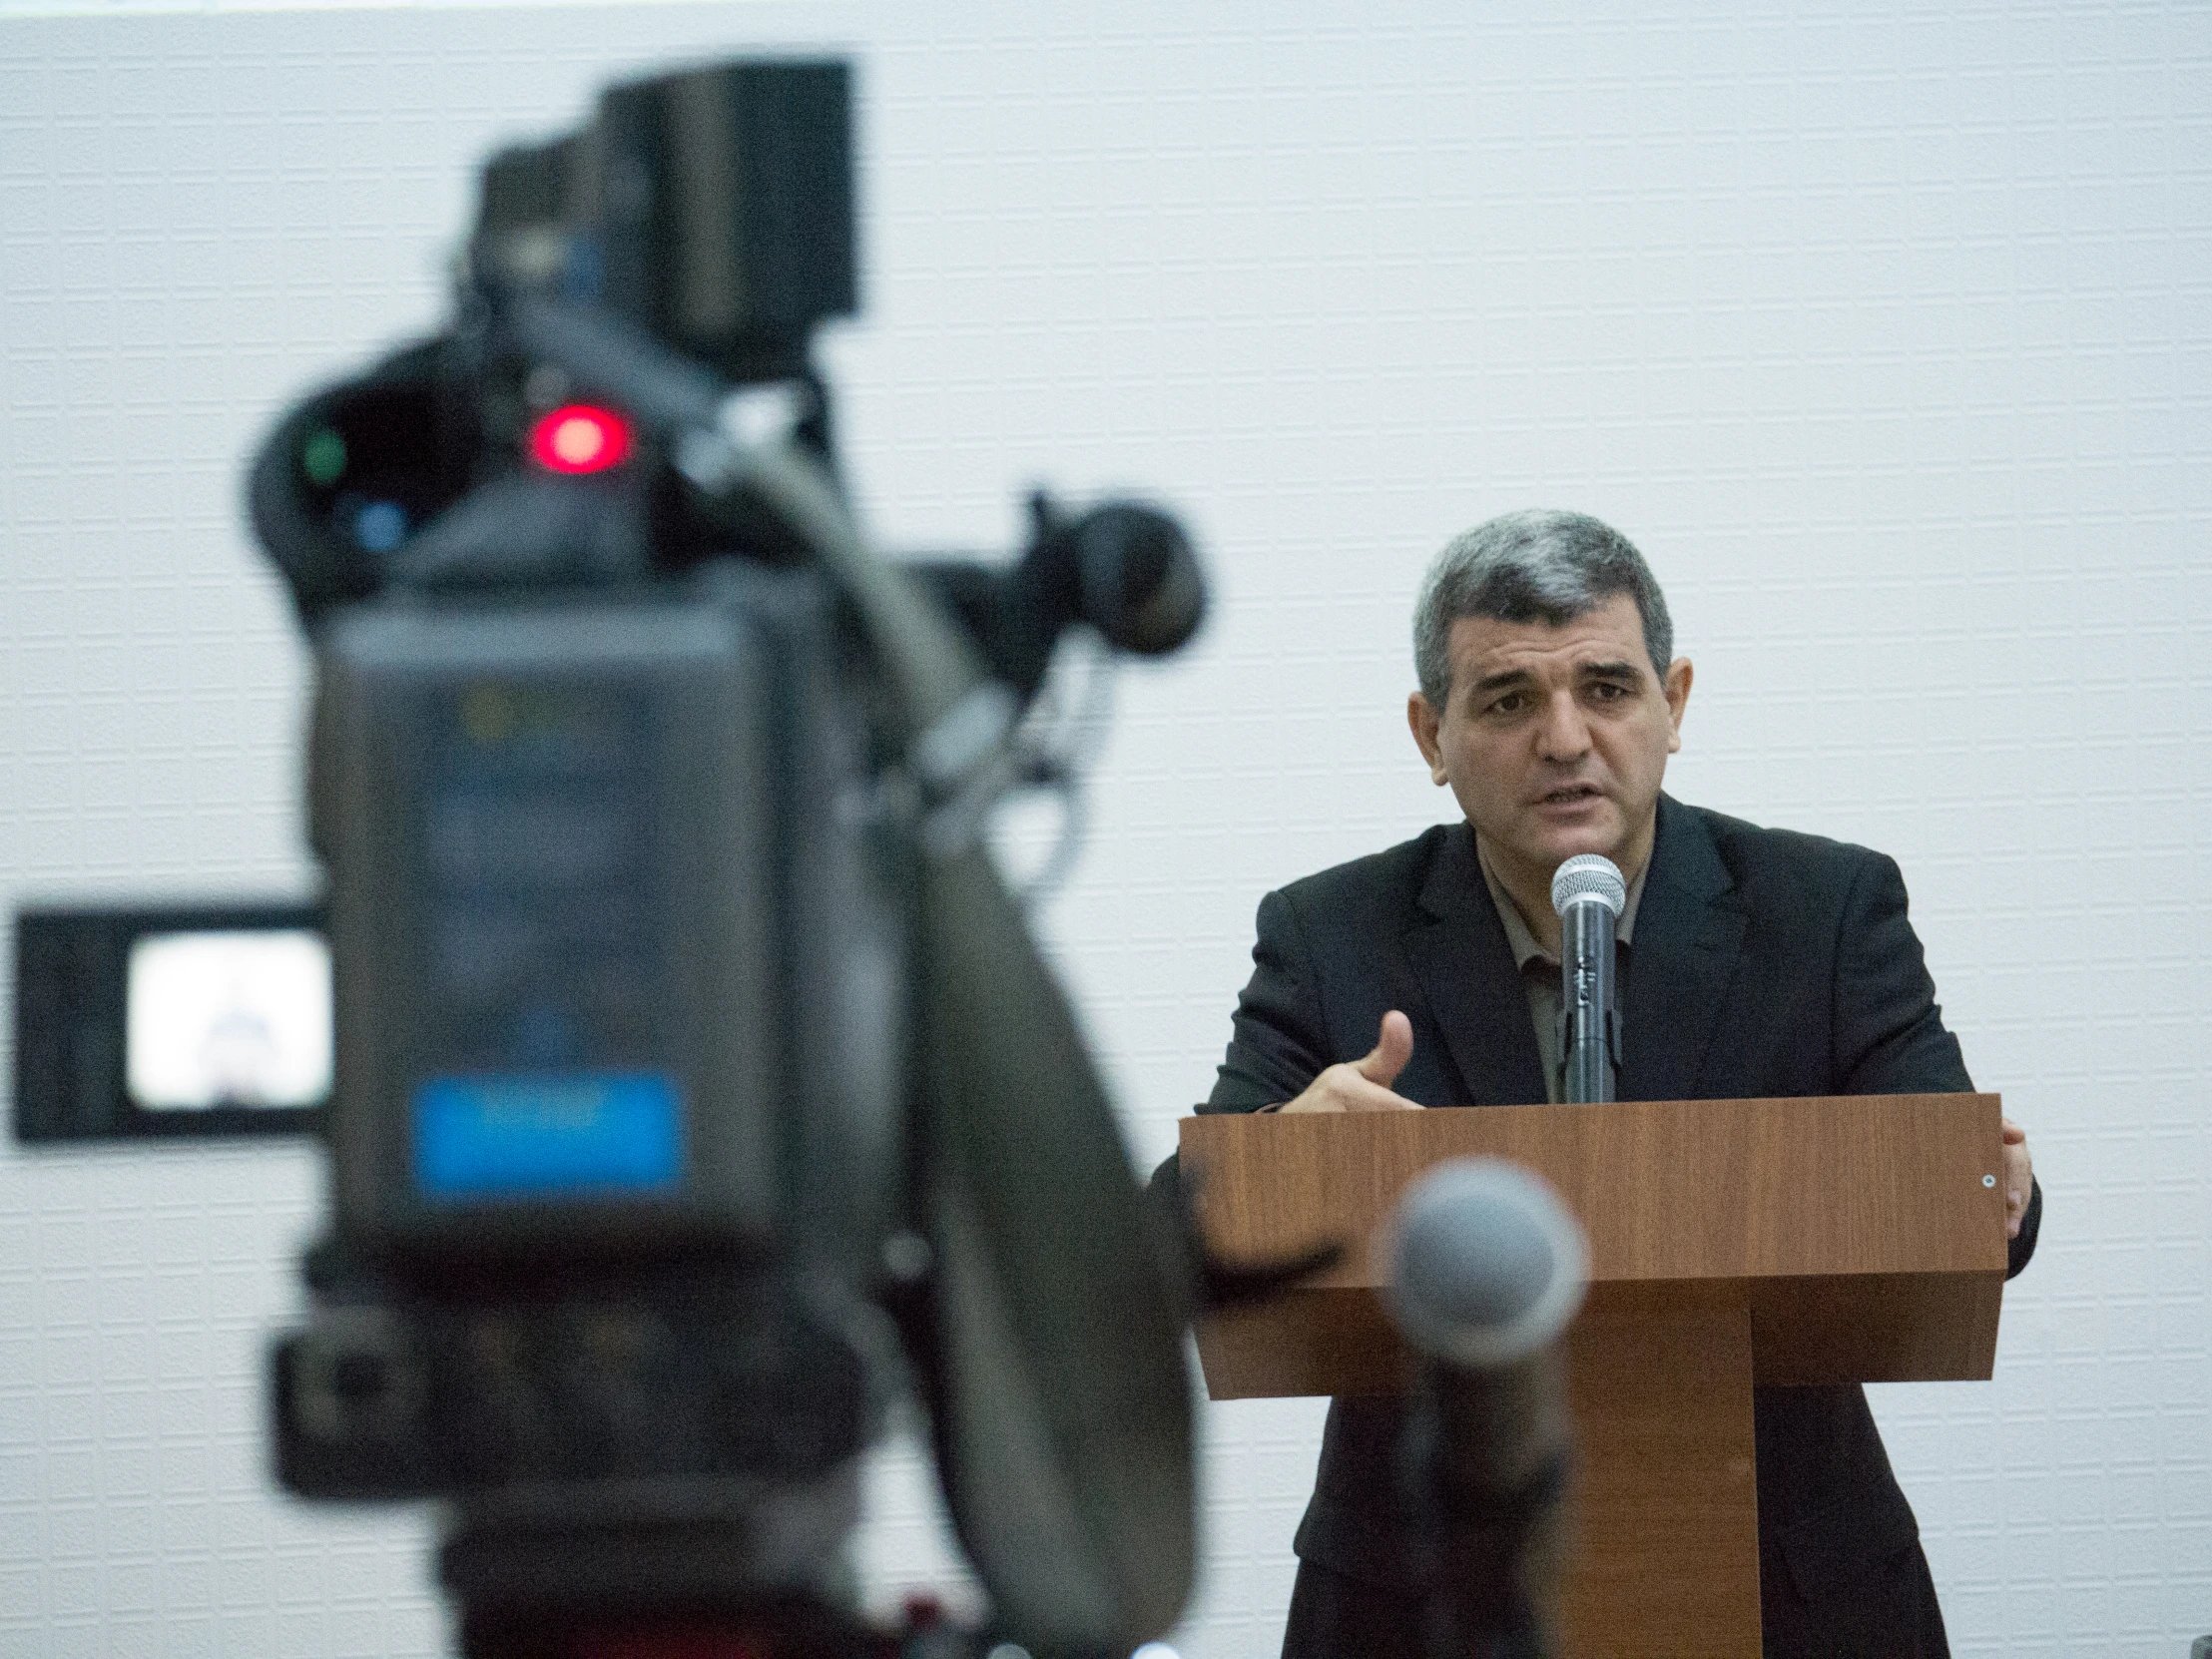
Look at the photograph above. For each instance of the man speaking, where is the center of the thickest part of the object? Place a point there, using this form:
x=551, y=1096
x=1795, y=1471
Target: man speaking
x=1754, y=963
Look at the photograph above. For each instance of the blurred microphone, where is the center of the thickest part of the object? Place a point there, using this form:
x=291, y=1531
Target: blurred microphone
x=1589, y=894
x=1487, y=1269
x=1124, y=568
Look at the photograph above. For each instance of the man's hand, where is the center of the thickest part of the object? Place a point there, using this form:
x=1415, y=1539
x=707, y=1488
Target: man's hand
x=1364, y=1085
x=2019, y=1172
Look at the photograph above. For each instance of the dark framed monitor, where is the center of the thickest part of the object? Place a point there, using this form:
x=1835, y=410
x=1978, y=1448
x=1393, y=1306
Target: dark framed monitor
x=149, y=1023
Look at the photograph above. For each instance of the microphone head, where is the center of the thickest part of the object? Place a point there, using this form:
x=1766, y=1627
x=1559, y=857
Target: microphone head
x=1139, y=579
x=1590, y=875
x=1487, y=1264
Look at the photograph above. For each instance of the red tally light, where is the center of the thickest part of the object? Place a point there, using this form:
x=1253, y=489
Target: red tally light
x=578, y=437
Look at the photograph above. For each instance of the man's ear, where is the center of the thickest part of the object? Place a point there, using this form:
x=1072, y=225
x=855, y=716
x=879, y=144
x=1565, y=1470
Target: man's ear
x=1426, y=721
x=1677, y=689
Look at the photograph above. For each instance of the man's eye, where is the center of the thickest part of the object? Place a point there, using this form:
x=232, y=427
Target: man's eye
x=1608, y=691
x=1509, y=704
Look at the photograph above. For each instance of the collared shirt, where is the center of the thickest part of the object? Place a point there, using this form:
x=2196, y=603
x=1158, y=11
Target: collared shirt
x=1539, y=968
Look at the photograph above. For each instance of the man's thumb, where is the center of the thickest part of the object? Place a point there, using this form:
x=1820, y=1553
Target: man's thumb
x=1394, y=1046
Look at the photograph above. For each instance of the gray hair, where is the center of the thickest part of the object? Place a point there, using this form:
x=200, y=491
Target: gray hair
x=1541, y=565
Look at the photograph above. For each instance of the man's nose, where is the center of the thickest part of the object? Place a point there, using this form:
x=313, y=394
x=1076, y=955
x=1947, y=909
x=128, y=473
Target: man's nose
x=1565, y=734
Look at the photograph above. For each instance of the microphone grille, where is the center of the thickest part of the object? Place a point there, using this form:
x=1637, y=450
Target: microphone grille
x=1589, y=873
x=1487, y=1264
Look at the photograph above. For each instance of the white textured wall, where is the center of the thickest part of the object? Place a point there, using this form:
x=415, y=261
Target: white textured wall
x=1885, y=330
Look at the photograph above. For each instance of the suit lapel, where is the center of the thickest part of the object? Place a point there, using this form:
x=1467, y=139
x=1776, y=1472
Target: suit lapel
x=1689, y=932
x=1458, y=952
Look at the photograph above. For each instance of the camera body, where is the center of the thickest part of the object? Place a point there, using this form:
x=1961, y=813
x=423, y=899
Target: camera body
x=620, y=972
x=615, y=906
x=617, y=968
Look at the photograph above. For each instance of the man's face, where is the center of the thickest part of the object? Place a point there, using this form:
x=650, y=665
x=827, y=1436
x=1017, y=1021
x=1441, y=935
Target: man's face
x=1554, y=739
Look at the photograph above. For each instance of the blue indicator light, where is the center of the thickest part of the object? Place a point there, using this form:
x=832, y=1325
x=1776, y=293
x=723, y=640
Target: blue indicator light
x=606, y=1134
x=381, y=526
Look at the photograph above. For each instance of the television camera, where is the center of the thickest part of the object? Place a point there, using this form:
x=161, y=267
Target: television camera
x=693, y=1082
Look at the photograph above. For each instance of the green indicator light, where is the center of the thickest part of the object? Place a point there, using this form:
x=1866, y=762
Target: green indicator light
x=323, y=457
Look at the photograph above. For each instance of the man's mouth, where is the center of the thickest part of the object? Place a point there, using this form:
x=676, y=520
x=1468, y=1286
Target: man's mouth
x=1568, y=795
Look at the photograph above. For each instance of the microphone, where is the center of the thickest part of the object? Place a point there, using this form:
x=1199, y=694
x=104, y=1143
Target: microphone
x=1486, y=1270
x=1589, y=894
x=1125, y=569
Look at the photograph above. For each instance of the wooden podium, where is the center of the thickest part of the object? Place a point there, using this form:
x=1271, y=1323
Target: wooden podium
x=1732, y=1241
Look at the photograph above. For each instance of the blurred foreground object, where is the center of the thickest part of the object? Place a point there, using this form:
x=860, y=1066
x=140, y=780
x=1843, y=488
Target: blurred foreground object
x=694, y=1085
x=1486, y=1270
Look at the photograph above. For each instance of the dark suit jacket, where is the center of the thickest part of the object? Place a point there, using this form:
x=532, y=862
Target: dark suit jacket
x=1765, y=964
